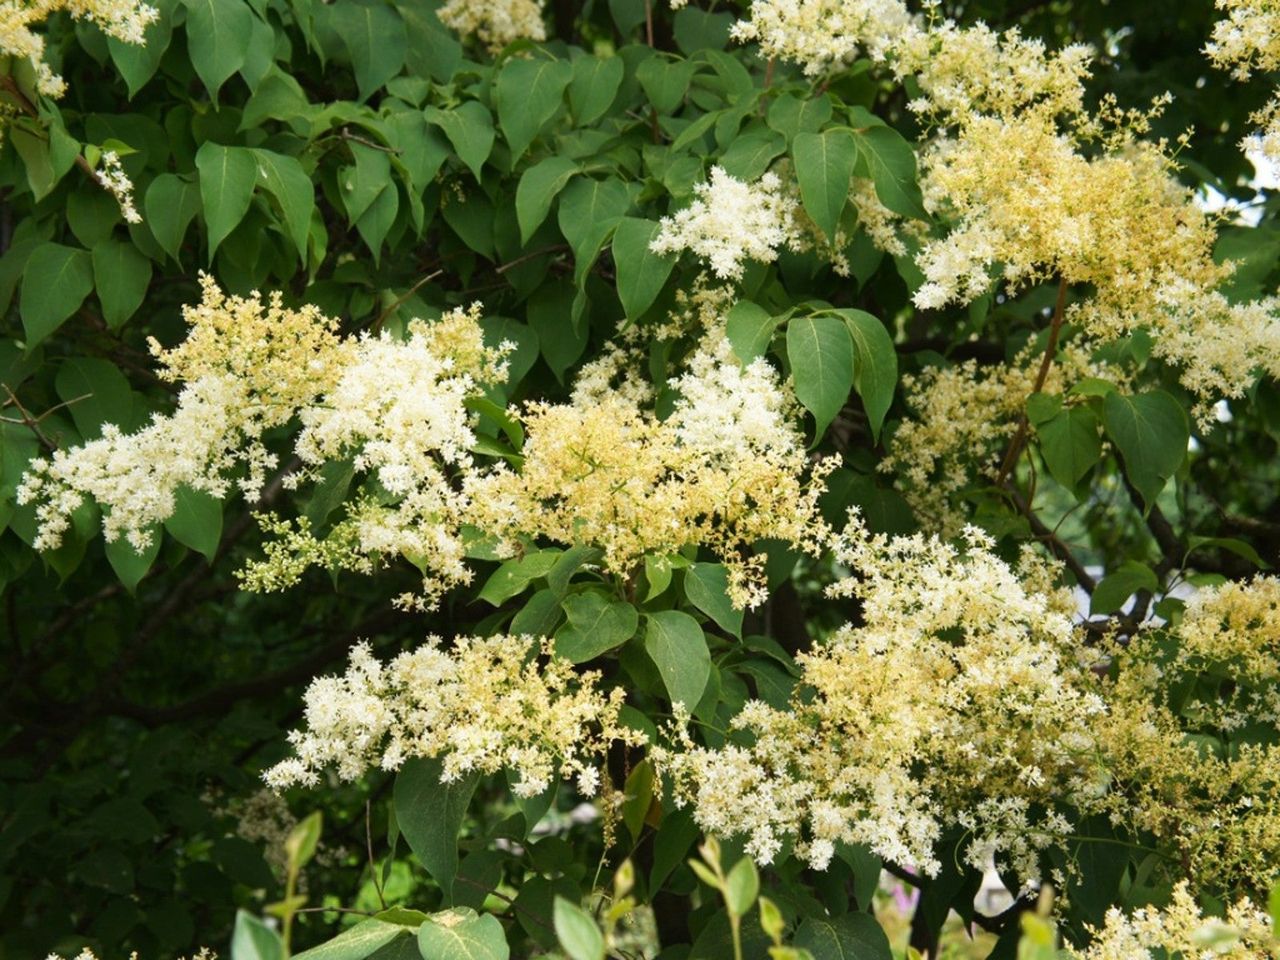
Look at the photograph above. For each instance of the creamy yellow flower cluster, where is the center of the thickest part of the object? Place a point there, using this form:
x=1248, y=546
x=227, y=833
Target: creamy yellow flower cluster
x=1248, y=40
x=495, y=23
x=726, y=468
x=245, y=368
x=1026, y=185
x=482, y=705
x=394, y=407
x=964, y=417
x=125, y=20
x=966, y=696
x=1182, y=930
x=1192, y=735
x=958, y=699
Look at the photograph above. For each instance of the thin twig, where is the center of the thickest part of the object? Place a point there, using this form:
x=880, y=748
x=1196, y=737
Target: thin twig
x=525, y=258
x=399, y=301
x=30, y=422
x=373, y=867
x=1020, y=438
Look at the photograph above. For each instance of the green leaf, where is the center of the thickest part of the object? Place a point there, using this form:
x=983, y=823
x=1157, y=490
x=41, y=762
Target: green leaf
x=678, y=648
x=196, y=521
x=55, y=282
x=539, y=616
x=577, y=931
x=560, y=340
x=254, y=940
x=227, y=176
x=171, y=203
x=750, y=328
x=820, y=351
x=430, y=813
x=375, y=37
x=866, y=867
x=470, y=130
x=638, y=794
x=364, y=182
x=278, y=97
x=137, y=62
x=791, y=115
x=32, y=146
x=641, y=272
x=537, y=188
x=513, y=576
x=589, y=211
x=129, y=564
x=1151, y=431
x=1069, y=443
x=303, y=840
x=594, y=87
x=217, y=35
x=121, y=276
x=284, y=178
x=824, y=167
x=528, y=94
x=376, y=222
x=1238, y=547
x=875, y=374
x=665, y=81
x=854, y=936
x=423, y=149
x=357, y=943
x=1042, y=407
x=707, y=587
x=750, y=155
x=460, y=934
x=1118, y=586
x=886, y=157
x=742, y=886
x=595, y=626
x=96, y=392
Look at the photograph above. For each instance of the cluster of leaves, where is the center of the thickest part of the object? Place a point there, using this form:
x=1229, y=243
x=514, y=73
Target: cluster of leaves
x=360, y=156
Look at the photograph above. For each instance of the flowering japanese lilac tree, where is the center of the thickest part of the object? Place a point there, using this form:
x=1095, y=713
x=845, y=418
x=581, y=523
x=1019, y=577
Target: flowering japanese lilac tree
x=791, y=479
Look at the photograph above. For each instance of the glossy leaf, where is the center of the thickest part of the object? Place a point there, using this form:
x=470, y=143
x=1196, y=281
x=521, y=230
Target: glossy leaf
x=820, y=351
x=641, y=272
x=824, y=167
x=677, y=646
x=55, y=282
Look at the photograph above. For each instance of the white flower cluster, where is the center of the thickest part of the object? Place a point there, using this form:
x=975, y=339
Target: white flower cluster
x=395, y=408
x=728, y=410
x=247, y=368
x=124, y=20
x=901, y=726
x=1248, y=40
x=495, y=23
x=824, y=34
x=1182, y=930
x=730, y=221
x=482, y=705
x=116, y=182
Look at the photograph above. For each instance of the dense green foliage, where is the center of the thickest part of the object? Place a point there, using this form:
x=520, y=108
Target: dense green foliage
x=359, y=156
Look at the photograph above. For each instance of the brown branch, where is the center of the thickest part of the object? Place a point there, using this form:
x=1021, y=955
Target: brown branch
x=399, y=301
x=525, y=258
x=1020, y=438
x=1054, y=543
